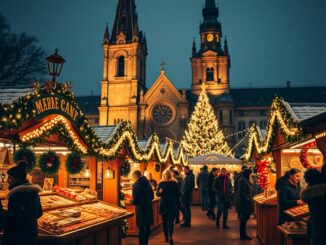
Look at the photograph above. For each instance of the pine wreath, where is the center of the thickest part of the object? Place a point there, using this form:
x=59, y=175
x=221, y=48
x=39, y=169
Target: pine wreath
x=25, y=154
x=157, y=167
x=74, y=164
x=125, y=168
x=49, y=163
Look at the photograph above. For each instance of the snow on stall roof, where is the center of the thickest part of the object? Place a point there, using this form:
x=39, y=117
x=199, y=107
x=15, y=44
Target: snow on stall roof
x=307, y=110
x=8, y=95
x=104, y=132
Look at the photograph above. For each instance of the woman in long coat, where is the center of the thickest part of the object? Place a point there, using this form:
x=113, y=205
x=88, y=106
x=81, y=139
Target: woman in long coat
x=169, y=192
x=244, y=202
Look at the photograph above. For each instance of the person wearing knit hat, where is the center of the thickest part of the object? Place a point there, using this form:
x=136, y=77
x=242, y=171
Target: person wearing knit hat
x=24, y=208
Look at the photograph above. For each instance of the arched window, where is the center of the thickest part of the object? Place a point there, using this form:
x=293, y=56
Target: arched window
x=210, y=74
x=121, y=66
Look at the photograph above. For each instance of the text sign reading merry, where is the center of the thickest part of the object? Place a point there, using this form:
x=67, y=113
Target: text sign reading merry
x=55, y=104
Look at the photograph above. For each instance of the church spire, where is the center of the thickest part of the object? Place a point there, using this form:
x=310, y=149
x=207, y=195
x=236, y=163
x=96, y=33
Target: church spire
x=210, y=15
x=194, y=49
x=126, y=22
x=226, y=46
x=106, y=36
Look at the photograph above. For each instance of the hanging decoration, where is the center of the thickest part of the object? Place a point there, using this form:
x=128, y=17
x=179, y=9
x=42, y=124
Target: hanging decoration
x=280, y=117
x=262, y=173
x=157, y=167
x=125, y=168
x=49, y=163
x=26, y=155
x=303, y=155
x=74, y=164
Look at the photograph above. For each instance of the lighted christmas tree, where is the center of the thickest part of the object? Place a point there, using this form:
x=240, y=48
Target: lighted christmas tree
x=203, y=134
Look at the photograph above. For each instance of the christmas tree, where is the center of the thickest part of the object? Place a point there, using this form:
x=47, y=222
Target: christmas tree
x=203, y=134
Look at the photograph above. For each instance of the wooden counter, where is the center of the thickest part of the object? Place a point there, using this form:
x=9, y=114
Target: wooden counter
x=292, y=237
x=132, y=227
x=266, y=213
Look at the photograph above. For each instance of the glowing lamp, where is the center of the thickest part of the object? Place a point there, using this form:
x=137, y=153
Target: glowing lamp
x=87, y=173
x=55, y=64
x=109, y=174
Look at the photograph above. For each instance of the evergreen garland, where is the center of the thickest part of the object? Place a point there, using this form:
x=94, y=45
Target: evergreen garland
x=74, y=164
x=49, y=163
x=26, y=155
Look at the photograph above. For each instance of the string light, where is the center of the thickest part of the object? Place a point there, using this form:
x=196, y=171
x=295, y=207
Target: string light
x=279, y=117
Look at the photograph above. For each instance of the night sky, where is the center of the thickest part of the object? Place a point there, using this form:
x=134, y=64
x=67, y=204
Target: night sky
x=270, y=41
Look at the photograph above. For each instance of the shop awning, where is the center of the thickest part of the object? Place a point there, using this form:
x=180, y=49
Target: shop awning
x=214, y=159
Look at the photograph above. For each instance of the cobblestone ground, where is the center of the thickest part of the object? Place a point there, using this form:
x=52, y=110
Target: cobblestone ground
x=203, y=232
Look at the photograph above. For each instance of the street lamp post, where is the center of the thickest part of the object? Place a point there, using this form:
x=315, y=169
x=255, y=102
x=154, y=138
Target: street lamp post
x=55, y=64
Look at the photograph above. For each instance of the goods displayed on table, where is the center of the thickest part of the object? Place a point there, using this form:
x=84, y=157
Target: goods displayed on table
x=262, y=198
x=298, y=211
x=127, y=195
x=296, y=226
x=86, y=195
x=62, y=215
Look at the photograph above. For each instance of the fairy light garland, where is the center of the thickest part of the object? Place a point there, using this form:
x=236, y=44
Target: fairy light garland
x=280, y=118
x=14, y=114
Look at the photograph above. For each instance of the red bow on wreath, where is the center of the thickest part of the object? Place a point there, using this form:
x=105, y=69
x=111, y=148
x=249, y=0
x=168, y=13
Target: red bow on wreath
x=262, y=173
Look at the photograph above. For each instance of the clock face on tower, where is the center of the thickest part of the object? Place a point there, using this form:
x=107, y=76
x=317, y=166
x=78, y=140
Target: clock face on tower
x=210, y=37
x=162, y=114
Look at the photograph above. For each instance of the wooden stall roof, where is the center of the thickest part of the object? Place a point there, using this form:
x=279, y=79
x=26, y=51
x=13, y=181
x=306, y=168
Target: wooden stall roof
x=214, y=158
x=18, y=108
x=291, y=120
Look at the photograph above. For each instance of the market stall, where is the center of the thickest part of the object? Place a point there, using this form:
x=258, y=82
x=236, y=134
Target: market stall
x=212, y=160
x=45, y=126
x=295, y=138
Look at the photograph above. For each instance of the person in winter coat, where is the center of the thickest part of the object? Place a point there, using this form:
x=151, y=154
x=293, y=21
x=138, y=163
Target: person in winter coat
x=179, y=179
x=187, y=189
x=315, y=196
x=223, y=189
x=143, y=196
x=244, y=202
x=288, y=194
x=203, y=186
x=24, y=208
x=212, y=197
x=169, y=192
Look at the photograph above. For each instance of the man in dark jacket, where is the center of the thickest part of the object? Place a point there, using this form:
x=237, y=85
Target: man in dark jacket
x=212, y=197
x=203, y=186
x=143, y=196
x=24, y=208
x=315, y=196
x=244, y=202
x=223, y=189
x=187, y=189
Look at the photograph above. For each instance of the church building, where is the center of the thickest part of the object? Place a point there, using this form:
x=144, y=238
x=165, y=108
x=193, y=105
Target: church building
x=164, y=109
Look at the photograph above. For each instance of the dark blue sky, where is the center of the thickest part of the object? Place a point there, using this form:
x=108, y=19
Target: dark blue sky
x=271, y=41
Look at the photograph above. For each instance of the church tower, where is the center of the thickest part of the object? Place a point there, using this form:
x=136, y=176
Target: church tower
x=124, y=67
x=211, y=63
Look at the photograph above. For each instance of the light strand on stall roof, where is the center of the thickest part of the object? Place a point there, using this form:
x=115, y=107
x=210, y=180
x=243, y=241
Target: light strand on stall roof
x=37, y=133
x=279, y=117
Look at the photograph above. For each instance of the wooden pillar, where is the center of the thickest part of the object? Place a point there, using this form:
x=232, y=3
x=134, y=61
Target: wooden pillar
x=277, y=156
x=93, y=168
x=62, y=173
x=111, y=187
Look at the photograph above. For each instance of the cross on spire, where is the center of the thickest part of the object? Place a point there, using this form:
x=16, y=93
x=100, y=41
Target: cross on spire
x=163, y=64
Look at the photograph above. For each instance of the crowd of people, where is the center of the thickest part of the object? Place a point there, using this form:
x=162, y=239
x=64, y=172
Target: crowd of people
x=176, y=191
x=291, y=195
